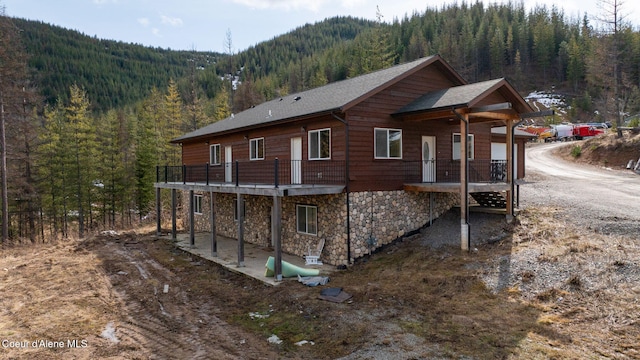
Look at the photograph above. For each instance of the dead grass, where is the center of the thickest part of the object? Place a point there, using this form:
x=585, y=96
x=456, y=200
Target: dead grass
x=409, y=299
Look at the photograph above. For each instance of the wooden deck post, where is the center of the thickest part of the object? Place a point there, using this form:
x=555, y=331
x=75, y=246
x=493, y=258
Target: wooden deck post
x=464, y=182
x=174, y=218
x=510, y=174
x=240, y=209
x=192, y=212
x=158, y=213
x=212, y=220
x=277, y=236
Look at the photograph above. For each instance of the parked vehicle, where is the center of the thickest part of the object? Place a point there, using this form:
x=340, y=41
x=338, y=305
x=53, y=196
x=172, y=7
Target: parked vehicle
x=558, y=133
x=582, y=131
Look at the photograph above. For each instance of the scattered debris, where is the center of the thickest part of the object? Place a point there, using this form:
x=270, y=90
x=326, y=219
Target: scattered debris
x=257, y=315
x=304, y=342
x=109, y=333
x=313, y=280
x=274, y=339
x=166, y=288
x=334, y=295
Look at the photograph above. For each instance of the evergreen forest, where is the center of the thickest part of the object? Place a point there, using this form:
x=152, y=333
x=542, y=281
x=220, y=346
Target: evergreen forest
x=85, y=121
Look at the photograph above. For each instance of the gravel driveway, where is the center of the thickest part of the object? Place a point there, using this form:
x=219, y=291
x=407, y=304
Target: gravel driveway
x=604, y=200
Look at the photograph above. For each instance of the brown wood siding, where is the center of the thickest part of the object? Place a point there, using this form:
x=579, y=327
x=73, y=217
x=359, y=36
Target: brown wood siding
x=277, y=142
x=368, y=173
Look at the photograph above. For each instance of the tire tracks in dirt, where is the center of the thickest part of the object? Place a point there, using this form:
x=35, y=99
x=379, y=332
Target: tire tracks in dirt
x=172, y=324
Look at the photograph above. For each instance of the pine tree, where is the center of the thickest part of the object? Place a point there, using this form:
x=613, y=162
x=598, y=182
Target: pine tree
x=12, y=83
x=82, y=167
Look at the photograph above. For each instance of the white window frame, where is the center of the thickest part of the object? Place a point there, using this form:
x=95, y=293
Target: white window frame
x=197, y=204
x=306, y=230
x=388, y=143
x=254, y=150
x=318, y=133
x=471, y=145
x=214, y=154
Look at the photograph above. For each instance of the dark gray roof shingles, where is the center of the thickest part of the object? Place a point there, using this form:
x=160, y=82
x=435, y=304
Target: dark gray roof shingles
x=326, y=98
x=455, y=96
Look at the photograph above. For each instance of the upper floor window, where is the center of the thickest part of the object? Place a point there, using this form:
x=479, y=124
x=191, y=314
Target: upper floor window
x=388, y=143
x=214, y=154
x=456, y=146
x=320, y=144
x=256, y=149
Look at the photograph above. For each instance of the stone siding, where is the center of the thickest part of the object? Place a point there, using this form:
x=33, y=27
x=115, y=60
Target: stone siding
x=377, y=218
x=380, y=217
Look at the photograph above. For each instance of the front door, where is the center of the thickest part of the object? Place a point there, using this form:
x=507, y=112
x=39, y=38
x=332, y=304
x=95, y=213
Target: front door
x=228, y=164
x=429, y=159
x=296, y=160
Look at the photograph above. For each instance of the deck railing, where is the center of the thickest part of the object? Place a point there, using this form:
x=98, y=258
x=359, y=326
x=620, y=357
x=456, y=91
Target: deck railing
x=268, y=173
x=329, y=172
x=448, y=171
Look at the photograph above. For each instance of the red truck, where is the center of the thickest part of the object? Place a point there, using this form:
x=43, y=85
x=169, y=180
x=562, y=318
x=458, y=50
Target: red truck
x=582, y=131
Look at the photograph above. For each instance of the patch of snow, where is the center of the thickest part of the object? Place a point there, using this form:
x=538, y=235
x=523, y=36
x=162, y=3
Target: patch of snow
x=109, y=333
x=274, y=339
x=303, y=342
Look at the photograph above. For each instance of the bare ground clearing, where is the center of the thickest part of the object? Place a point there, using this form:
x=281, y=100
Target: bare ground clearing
x=548, y=286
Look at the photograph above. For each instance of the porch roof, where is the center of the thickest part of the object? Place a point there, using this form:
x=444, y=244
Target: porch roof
x=465, y=96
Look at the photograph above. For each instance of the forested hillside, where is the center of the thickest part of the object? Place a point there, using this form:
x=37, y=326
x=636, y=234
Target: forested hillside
x=89, y=119
x=114, y=74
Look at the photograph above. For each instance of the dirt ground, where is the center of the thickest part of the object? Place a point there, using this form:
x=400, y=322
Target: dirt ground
x=535, y=289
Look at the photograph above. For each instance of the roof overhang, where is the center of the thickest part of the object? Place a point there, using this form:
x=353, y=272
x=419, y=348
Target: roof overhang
x=485, y=101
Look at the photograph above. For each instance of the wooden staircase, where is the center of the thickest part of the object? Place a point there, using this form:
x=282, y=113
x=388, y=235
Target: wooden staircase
x=496, y=200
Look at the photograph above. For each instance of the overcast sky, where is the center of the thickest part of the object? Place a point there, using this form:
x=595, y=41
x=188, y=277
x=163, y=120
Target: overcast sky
x=202, y=25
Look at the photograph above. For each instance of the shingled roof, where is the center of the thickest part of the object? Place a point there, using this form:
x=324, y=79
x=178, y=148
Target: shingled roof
x=337, y=96
x=462, y=96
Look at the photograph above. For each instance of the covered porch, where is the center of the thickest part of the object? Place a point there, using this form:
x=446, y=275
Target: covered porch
x=214, y=243
x=493, y=103
x=226, y=256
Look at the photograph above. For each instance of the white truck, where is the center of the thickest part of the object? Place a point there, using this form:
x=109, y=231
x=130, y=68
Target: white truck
x=560, y=133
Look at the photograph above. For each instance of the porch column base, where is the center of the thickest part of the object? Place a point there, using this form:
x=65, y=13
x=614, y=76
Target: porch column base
x=464, y=236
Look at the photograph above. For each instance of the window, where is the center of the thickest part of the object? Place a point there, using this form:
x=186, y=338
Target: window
x=307, y=219
x=214, y=154
x=456, y=147
x=320, y=144
x=197, y=204
x=235, y=209
x=256, y=149
x=388, y=144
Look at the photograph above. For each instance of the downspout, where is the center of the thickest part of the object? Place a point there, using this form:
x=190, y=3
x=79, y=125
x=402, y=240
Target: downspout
x=347, y=181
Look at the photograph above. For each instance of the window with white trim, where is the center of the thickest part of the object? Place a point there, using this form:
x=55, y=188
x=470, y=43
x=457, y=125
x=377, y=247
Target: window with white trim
x=256, y=149
x=388, y=143
x=307, y=219
x=456, y=146
x=320, y=144
x=214, y=154
x=197, y=204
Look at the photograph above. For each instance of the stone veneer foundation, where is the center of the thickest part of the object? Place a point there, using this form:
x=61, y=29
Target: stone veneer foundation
x=376, y=218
